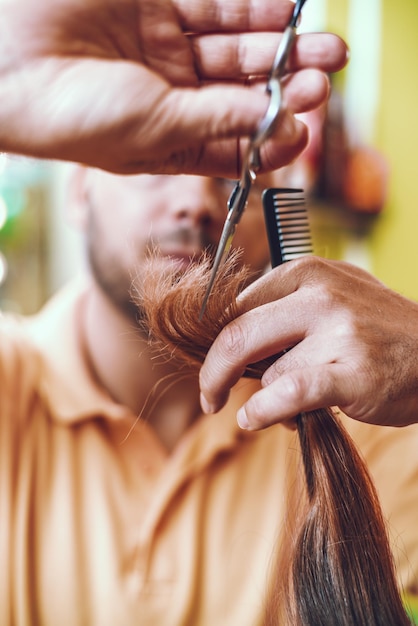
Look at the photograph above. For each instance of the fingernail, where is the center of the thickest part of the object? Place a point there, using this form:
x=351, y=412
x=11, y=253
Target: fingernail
x=207, y=407
x=242, y=419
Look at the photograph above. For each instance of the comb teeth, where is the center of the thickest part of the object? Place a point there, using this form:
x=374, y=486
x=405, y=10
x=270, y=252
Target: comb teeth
x=287, y=224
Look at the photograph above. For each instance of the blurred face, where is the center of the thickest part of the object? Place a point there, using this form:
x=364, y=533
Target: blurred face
x=178, y=216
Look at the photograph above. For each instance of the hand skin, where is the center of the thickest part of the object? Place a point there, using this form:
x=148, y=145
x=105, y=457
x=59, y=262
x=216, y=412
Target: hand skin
x=355, y=346
x=123, y=84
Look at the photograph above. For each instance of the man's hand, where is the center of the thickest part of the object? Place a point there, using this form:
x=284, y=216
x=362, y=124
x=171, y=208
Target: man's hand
x=351, y=342
x=152, y=85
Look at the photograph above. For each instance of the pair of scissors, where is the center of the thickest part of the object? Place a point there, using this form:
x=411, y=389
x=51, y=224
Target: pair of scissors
x=239, y=196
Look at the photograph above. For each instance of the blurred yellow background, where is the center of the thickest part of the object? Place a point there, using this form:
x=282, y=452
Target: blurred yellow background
x=392, y=240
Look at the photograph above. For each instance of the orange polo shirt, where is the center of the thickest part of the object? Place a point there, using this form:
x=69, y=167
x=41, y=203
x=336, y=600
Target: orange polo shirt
x=99, y=526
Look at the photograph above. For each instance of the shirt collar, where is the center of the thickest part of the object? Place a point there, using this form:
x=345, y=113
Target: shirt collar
x=69, y=386
x=67, y=383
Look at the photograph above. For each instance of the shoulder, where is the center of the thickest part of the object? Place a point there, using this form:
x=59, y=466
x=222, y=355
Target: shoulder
x=385, y=447
x=20, y=362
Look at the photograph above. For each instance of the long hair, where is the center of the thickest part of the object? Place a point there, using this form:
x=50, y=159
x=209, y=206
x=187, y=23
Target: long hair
x=339, y=567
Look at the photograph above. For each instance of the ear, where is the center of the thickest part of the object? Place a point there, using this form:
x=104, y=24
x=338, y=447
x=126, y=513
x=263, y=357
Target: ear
x=77, y=197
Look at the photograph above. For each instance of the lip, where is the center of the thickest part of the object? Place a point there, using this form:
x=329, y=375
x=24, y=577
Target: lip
x=180, y=259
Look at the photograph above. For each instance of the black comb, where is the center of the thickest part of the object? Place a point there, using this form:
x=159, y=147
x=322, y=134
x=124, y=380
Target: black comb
x=289, y=237
x=287, y=224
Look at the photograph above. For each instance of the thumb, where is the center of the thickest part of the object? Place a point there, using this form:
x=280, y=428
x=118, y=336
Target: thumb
x=295, y=392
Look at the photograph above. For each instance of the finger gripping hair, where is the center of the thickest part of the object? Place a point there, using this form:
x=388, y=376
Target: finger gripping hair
x=340, y=568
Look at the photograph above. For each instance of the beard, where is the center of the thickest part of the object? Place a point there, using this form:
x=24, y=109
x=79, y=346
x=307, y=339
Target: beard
x=118, y=279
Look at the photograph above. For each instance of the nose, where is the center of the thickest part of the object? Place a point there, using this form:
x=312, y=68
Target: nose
x=198, y=200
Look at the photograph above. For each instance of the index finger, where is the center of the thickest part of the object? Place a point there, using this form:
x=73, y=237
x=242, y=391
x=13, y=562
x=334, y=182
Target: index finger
x=254, y=336
x=267, y=325
x=228, y=56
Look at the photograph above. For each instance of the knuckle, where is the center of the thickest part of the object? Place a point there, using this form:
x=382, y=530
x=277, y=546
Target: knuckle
x=233, y=341
x=295, y=387
x=326, y=297
x=310, y=265
x=346, y=329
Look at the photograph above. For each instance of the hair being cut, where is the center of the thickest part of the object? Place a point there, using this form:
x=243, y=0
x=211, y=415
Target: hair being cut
x=339, y=569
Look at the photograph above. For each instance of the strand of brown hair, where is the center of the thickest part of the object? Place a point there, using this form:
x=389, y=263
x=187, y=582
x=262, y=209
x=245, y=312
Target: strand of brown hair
x=340, y=570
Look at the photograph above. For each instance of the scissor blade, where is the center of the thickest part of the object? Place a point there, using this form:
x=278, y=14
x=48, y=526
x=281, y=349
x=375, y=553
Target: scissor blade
x=222, y=252
x=236, y=205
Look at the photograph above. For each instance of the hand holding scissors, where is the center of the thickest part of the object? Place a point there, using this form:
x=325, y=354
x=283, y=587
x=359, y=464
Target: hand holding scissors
x=239, y=196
